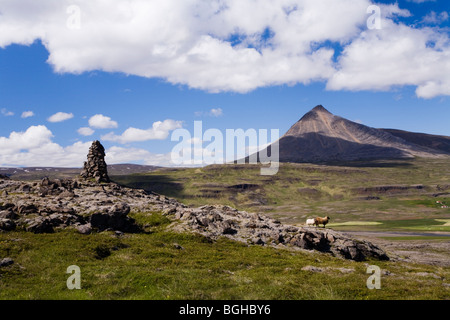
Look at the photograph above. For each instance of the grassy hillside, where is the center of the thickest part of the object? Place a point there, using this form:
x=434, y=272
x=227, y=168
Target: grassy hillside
x=160, y=264
x=361, y=191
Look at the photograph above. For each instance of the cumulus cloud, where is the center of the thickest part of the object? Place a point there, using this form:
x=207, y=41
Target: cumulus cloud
x=214, y=112
x=85, y=131
x=435, y=18
x=421, y=1
x=159, y=131
x=100, y=121
x=27, y=114
x=6, y=112
x=229, y=45
x=33, y=137
x=60, y=117
x=188, y=42
x=396, y=55
x=125, y=155
x=35, y=148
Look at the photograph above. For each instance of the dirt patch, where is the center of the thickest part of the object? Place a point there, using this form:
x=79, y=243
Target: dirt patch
x=244, y=186
x=393, y=189
x=423, y=251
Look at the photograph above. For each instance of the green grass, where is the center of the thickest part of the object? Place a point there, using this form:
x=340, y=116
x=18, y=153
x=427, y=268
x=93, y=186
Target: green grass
x=416, y=224
x=150, y=266
x=409, y=225
x=355, y=223
x=344, y=192
x=407, y=238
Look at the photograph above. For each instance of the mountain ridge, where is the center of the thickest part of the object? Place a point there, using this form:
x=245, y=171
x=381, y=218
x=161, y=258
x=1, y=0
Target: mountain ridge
x=320, y=136
x=59, y=172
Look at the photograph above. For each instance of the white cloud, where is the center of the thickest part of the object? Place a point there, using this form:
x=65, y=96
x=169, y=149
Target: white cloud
x=125, y=155
x=216, y=112
x=35, y=148
x=115, y=155
x=27, y=114
x=159, y=131
x=188, y=42
x=60, y=116
x=6, y=113
x=33, y=137
x=396, y=55
x=194, y=42
x=100, y=121
x=421, y=1
x=435, y=18
x=85, y=131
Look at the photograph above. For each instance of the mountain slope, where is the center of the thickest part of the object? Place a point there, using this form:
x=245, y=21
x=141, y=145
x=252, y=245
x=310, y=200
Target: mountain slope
x=320, y=136
x=441, y=143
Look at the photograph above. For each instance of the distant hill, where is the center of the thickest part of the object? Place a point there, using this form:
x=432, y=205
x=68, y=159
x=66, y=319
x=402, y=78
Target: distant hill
x=320, y=136
x=436, y=142
x=31, y=173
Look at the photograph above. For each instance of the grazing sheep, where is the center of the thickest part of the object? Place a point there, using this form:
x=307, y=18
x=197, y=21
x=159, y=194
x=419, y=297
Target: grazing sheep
x=310, y=222
x=323, y=221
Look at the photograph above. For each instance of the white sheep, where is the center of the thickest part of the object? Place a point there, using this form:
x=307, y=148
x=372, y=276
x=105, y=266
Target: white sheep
x=310, y=222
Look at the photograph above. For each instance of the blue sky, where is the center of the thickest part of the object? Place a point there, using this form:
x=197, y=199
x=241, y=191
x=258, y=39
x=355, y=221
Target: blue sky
x=223, y=81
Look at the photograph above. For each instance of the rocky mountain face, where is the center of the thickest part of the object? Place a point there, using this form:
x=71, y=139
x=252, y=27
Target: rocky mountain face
x=320, y=136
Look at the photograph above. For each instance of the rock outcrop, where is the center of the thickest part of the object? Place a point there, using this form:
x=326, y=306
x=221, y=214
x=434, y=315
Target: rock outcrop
x=252, y=228
x=95, y=167
x=92, y=207
x=49, y=205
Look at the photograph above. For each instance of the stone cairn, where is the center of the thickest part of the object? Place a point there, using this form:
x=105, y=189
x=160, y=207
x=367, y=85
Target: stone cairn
x=95, y=166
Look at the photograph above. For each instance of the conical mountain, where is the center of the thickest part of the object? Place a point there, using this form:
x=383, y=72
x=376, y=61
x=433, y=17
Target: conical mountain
x=320, y=136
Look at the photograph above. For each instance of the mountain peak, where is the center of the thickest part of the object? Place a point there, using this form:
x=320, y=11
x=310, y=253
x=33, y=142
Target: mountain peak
x=320, y=108
x=321, y=136
x=318, y=112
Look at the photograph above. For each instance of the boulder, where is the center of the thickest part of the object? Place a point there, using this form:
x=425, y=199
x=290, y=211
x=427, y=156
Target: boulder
x=84, y=228
x=39, y=225
x=8, y=214
x=63, y=188
x=114, y=218
x=7, y=224
x=6, y=262
x=24, y=187
x=24, y=208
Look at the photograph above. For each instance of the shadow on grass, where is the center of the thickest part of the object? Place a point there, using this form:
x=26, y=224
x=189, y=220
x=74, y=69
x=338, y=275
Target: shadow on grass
x=372, y=164
x=161, y=184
